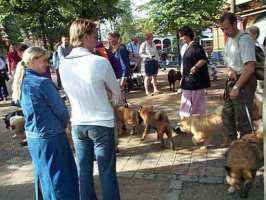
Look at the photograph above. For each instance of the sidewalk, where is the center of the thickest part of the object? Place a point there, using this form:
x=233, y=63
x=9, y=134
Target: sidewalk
x=145, y=171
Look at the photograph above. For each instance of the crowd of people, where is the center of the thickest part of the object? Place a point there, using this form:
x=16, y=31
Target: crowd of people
x=94, y=78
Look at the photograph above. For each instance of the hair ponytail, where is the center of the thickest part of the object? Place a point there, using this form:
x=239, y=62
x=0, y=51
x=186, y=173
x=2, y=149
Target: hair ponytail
x=18, y=78
x=28, y=56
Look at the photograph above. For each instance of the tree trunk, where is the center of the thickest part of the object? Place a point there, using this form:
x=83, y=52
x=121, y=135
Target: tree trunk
x=232, y=6
x=43, y=33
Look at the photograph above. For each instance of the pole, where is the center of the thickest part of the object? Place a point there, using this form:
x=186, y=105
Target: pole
x=232, y=6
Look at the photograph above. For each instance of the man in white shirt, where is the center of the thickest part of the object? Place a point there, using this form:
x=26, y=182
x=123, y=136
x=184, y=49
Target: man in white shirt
x=241, y=84
x=90, y=83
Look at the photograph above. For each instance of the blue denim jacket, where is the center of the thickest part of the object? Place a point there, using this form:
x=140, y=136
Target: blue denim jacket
x=45, y=112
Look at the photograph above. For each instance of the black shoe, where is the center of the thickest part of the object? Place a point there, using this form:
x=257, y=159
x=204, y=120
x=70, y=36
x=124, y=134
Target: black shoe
x=24, y=143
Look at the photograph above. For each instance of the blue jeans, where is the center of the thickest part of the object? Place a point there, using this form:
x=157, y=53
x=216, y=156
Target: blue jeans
x=99, y=141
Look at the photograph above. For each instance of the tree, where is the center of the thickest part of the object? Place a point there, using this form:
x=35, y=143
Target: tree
x=124, y=22
x=48, y=19
x=168, y=15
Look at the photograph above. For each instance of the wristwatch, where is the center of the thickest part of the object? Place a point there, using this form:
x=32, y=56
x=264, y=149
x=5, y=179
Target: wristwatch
x=235, y=87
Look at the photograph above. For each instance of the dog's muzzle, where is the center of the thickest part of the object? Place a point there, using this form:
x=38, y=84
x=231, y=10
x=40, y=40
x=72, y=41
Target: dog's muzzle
x=177, y=129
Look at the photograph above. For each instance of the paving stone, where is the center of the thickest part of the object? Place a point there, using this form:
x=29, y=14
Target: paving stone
x=121, y=163
x=164, y=177
x=188, y=178
x=176, y=184
x=197, y=171
x=126, y=174
x=215, y=163
x=180, y=169
x=173, y=194
x=149, y=176
x=215, y=171
x=132, y=164
x=139, y=175
x=182, y=161
x=211, y=179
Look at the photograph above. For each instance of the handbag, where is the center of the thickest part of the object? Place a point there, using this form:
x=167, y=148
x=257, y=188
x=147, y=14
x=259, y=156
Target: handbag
x=192, y=80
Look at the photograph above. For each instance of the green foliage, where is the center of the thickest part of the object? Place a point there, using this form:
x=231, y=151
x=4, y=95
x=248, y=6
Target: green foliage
x=169, y=15
x=124, y=23
x=48, y=19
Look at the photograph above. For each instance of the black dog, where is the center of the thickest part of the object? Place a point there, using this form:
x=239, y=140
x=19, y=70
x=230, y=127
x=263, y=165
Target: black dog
x=173, y=76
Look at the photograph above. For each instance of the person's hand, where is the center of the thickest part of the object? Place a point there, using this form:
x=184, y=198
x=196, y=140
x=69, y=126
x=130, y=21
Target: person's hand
x=232, y=75
x=234, y=93
x=193, y=70
x=123, y=83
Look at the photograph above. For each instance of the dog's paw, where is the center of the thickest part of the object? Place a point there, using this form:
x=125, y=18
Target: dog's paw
x=172, y=146
x=203, y=147
x=231, y=190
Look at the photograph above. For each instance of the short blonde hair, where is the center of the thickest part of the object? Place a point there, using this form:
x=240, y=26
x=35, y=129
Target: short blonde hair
x=78, y=29
x=28, y=56
x=148, y=35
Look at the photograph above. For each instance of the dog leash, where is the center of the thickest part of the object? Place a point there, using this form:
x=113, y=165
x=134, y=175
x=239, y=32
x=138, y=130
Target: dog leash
x=248, y=115
x=249, y=119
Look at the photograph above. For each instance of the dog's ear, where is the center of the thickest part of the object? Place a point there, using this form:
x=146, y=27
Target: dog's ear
x=227, y=169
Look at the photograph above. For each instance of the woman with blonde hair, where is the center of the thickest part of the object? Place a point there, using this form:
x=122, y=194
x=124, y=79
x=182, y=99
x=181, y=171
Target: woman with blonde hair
x=45, y=120
x=150, y=56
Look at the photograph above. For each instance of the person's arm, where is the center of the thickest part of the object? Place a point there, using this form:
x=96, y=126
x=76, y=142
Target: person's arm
x=53, y=99
x=157, y=57
x=8, y=63
x=201, y=57
x=112, y=84
x=124, y=60
x=247, y=54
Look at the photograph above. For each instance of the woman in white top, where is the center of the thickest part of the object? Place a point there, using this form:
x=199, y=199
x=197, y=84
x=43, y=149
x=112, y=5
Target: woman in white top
x=150, y=56
x=87, y=79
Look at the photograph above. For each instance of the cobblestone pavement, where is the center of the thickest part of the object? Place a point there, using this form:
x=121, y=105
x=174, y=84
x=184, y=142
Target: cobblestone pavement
x=144, y=170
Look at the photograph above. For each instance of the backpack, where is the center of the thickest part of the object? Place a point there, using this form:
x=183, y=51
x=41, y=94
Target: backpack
x=260, y=59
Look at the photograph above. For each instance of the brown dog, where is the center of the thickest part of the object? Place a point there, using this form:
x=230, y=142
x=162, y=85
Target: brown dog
x=203, y=127
x=173, y=76
x=126, y=117
x=256, y=110
x=243, y=159
x=157, y=120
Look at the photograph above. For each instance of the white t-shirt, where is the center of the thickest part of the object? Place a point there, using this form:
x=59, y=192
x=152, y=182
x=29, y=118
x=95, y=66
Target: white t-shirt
x=238, y=51
x=182, y=52
x=147, y=51
x=85, y=77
